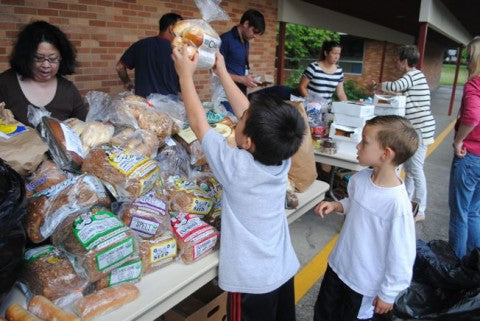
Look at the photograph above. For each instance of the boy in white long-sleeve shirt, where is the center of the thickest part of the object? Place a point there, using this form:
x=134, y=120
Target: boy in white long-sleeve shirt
x=373, y=258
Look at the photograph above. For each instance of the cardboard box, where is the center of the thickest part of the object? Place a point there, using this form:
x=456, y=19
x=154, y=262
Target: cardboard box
x=390, y=101
x=386, y=110
x=209, y=303
x=352, y=108
x=352, y=121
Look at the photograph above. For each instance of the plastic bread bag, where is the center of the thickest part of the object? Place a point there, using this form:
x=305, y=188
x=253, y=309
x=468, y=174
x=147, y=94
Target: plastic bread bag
x=48, y=208
x=186, y=196
x=98, y=240
x=198, y=35
x=170, y=105
x=186, y=138
x=173, y=160
x=47, y=271
x=158, y=252
x=46, y=175
x=126, y=173
x=105, y=300
x=130, y=271
x=142, y=141
x=92, y=133
x=63, y=143
x=195, y=238
x=147, y=215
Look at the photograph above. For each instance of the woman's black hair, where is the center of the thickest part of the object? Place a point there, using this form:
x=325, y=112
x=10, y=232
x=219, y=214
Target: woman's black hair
x=328, y=46
x=28, y=39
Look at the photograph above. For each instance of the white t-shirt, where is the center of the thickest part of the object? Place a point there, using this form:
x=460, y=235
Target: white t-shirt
x=375, y=251
x=256, y=253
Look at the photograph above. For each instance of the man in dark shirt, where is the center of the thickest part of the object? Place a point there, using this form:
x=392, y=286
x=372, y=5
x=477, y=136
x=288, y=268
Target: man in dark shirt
x=235, y=46
x=151, y=59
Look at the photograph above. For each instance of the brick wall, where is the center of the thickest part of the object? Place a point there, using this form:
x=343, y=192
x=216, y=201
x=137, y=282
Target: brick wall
x=101, y=30
x=372, y=63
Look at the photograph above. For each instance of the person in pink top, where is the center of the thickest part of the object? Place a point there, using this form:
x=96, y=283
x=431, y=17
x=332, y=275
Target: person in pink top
x=464, y=189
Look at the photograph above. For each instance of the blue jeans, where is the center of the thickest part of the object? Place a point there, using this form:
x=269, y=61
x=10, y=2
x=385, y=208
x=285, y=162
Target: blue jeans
x=464, y=201
x=415, y=181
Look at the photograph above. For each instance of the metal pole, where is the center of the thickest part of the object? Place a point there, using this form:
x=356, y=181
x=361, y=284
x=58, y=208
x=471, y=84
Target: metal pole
x=422, y=41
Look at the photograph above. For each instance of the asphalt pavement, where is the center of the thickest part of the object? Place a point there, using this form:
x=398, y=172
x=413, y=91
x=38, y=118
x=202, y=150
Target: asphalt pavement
x=312, y=236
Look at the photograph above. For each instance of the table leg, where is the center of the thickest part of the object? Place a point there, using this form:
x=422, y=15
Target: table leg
x=332, y=178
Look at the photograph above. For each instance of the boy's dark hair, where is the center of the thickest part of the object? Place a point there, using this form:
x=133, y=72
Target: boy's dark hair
x=255, y=19
x=275, y=128
x=409, y=52
x=397, y=133
x=328, y=46
x=167, y=20
x=30, y=37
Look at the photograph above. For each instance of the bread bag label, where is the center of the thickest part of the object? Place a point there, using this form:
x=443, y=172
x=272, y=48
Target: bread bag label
x=115, y=254
x=125, y=161
x=204, y=246
x=130, y=271
x=188, y=225
x=143, y=226
x=163, y=251
x=201, y=203
x=72, y=141
x=34, y=254
x=91, y=229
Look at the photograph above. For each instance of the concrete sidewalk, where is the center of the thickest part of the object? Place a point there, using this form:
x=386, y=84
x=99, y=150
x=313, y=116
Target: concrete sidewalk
x=311, y=234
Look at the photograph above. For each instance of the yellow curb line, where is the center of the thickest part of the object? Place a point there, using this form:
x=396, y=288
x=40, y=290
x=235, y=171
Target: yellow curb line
x=314, y=270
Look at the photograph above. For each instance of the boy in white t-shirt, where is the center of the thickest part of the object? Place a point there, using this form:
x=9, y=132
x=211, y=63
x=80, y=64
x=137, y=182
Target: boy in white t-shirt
x=373, y=258
x=257, y=261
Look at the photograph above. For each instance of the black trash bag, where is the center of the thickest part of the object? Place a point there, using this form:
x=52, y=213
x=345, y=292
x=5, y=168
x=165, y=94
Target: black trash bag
x=12, y=233
x=443, y=287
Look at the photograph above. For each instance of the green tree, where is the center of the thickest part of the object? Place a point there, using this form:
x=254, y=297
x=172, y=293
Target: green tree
x=303, y=42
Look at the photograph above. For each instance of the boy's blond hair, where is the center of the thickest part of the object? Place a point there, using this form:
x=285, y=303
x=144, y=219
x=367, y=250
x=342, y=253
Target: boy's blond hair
x=397, y=133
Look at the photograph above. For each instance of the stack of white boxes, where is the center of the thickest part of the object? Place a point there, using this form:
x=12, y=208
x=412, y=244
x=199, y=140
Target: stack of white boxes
x=349, y=117
x=389, y=105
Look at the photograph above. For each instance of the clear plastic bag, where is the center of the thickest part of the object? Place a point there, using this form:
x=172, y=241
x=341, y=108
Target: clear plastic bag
x=49, y=207
x=170, y=105
x=142, y=141
x=98, y=240
x=48, y=271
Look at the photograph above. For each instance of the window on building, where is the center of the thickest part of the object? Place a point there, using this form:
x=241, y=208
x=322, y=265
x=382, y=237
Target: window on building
x=351, y=59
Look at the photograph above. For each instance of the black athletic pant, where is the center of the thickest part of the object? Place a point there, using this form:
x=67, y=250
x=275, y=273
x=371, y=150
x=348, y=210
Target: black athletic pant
x=336, y=301
x=278, y=305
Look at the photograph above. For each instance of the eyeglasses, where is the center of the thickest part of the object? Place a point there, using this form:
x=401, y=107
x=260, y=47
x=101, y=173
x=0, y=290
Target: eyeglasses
x=42, y=59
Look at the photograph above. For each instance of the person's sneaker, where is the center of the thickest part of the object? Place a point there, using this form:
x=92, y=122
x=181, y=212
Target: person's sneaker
x=419, y=218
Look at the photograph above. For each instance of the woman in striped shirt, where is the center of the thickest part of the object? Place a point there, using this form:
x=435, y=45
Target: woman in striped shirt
x=324, y=77
x=414, y=85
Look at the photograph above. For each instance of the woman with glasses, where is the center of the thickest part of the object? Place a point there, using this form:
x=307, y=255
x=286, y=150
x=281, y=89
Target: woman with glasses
x=324, y=77
x=464, y=189
x=40, y=58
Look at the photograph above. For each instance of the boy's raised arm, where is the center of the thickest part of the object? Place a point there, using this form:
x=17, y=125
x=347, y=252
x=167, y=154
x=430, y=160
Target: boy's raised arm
x=235, y=96
x=195, y=112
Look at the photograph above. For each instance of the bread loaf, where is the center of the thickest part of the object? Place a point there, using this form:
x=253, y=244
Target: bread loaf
x=130, y=271
x=48, y=208
x=15, y=312
x=105, y=300
x=63, y=143
x=142, y=141
x=48, y=272
x=98, y=240
x=46, y=310
x=195, y=238
x=126, y=173
x=157, y=252
x=187, y=197
x=45, y=176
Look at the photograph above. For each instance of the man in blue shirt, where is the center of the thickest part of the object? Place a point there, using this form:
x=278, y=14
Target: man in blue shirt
x=151, y=59
x=235, y=47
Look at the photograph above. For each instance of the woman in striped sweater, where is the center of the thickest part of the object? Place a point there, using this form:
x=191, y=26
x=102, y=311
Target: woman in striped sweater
x=324, y=77
x=414, y=85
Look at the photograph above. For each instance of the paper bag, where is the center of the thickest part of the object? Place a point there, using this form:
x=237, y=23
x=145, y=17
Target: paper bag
x=23, y=152
x=303, y=171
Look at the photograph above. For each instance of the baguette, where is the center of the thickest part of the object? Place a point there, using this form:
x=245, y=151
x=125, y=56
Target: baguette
x=105, y=300
x=46, y=310
x=17, y=313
